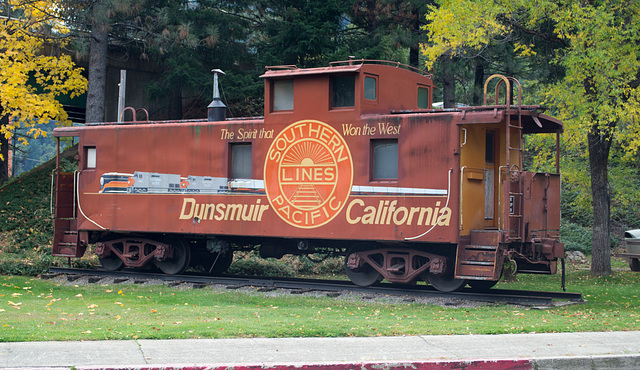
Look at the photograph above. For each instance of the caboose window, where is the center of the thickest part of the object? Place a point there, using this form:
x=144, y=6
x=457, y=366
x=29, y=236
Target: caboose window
x=283, y=95
x=385, y=159
x=370, y=88
x=423, y=98
x=241, y=161
x=90, y=156
x=344, y=91
x=489, y=147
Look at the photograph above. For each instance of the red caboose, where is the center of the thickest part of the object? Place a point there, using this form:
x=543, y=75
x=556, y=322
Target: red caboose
x=349, y=159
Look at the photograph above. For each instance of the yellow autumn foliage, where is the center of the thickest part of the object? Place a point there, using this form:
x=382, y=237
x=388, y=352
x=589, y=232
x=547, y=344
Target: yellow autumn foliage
x=600, y=44
x=30, y=80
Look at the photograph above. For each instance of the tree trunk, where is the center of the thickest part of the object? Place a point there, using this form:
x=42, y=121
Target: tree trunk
x=4, y=150
x=372, y=22
x=414, y=29
x=414, y=56
x=4, y=164
x=478, y=83
x=448, y=83
x=97, y=64
x=599, y=146
x=448, y=91
x=175, y=104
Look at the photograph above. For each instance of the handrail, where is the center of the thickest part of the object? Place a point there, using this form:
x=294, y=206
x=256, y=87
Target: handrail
x=53, y=174
x=76, y=201
x=285, y=66
x=500, y=195
x=519, y=90
x=134, y=112
x=378, y=61
x=508, y=88
x=461, y=182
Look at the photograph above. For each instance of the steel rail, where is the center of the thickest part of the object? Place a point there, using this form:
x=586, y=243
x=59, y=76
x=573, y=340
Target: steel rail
x=517, y=297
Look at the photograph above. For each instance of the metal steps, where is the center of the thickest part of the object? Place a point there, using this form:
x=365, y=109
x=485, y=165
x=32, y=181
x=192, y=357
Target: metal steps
x=65, y=242
x=477, y=258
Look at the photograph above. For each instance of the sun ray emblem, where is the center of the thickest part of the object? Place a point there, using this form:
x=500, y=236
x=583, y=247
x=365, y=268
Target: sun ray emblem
x=308, y=173
x=308, y=153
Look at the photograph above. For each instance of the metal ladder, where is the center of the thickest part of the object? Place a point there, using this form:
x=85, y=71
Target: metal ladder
x=512, y=201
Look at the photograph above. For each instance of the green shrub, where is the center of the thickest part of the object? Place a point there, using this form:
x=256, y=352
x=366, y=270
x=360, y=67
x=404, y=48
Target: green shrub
x=579, y=238
x=625, y=195
x=316, y=264
x=576, y=237
x=252, y=264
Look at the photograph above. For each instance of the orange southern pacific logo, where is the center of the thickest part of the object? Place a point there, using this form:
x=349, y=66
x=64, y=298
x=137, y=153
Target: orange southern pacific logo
x=308, y=173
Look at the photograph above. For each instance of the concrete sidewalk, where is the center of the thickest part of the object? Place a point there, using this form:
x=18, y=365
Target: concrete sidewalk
x=592, y=350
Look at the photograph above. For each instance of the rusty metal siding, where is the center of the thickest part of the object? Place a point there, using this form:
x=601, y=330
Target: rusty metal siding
x=201, y=149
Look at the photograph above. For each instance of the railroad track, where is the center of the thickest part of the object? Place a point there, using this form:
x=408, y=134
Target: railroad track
x=296, y=285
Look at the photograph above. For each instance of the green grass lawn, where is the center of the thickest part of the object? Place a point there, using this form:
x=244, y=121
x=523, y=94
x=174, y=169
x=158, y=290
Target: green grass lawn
x=35, y=310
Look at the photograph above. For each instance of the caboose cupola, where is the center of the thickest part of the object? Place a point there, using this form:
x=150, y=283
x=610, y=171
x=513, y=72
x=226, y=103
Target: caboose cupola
x=344, y=91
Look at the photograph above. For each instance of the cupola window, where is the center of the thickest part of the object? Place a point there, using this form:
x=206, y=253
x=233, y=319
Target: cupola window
x=344, y=91
x=282, y=95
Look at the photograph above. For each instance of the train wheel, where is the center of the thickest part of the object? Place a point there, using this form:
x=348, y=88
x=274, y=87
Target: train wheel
x=482, y=285
x=180, y=260
x=634, y=264
x=445, y=282
x=364, y=275
x=111, y=263
x=220, y=262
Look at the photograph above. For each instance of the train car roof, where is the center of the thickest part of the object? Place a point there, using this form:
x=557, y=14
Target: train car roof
x=70, y=131
x=533, y=121
x=350, y=66
x=288, y=71
x=540, y=124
